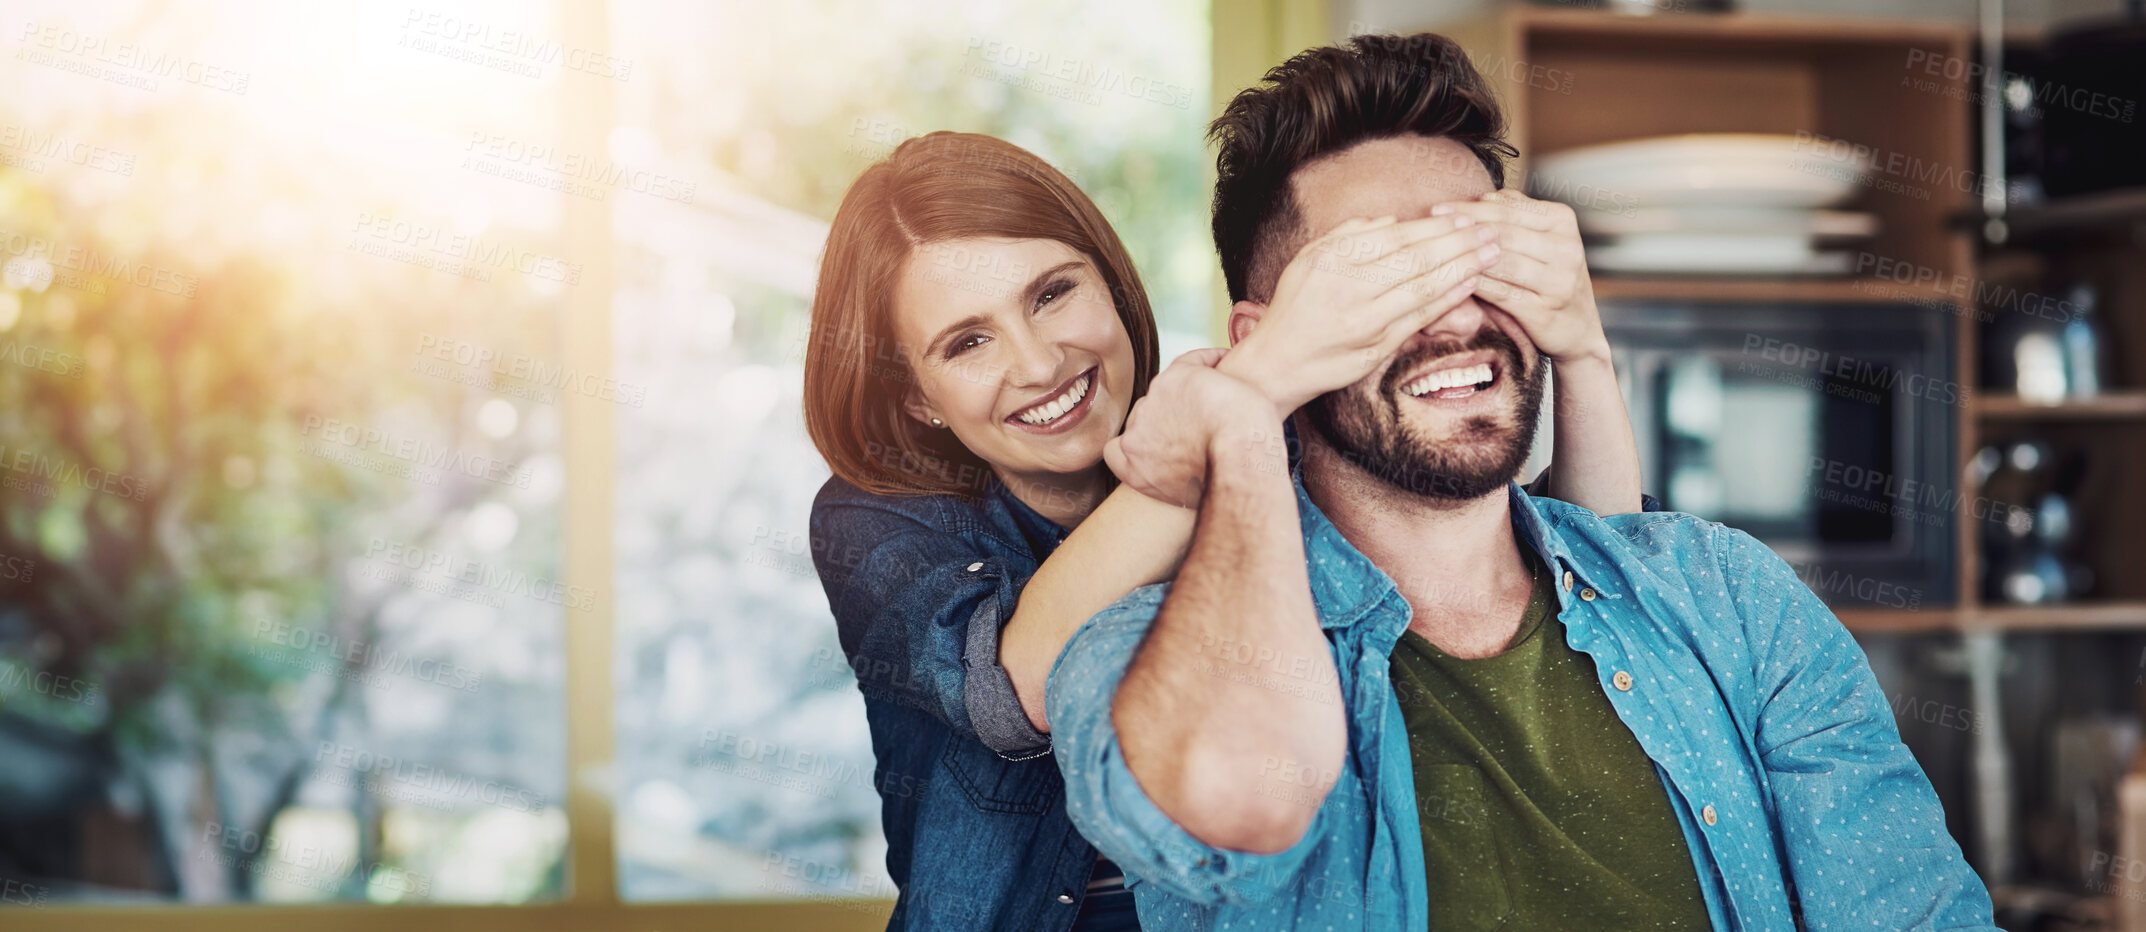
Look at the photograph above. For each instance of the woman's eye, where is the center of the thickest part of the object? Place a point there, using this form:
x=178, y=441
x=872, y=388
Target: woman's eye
x=964, y=344
x=1054, y=291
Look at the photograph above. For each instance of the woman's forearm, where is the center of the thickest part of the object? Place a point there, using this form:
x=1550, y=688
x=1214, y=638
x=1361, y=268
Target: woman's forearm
x=1594, y=463
x=1129, y=541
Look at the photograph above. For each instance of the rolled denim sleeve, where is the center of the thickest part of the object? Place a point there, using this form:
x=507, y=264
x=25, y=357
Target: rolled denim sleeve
x=1860, y=824
x=1105, y=801
x=920, y=611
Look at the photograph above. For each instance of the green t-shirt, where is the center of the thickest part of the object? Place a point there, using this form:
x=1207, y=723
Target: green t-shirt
x=1539, y=809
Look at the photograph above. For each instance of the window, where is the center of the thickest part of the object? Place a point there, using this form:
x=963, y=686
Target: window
x=745, y=768
x=283, y=469
x=402, y=482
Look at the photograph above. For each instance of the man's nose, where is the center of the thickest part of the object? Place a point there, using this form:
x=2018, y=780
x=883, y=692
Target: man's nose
x=1459, y=325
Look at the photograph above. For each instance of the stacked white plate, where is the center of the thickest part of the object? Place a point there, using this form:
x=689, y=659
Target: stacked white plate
x=1710, y=203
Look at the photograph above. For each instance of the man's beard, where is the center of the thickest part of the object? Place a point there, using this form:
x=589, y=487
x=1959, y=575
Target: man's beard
x=1482, y=457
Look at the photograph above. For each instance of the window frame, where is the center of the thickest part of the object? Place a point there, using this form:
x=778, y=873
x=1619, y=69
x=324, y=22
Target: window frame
x=1246, y=37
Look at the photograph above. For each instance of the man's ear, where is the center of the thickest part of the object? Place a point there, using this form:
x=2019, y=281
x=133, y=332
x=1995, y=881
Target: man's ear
x=915, y=406
x=1243, y=316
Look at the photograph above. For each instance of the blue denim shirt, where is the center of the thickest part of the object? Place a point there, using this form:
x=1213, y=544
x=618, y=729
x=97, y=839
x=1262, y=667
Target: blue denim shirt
x=1774, y=743
x=973, y=807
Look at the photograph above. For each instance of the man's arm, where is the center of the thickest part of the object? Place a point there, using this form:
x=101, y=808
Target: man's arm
x=1201, y=728
x=1864, y=833
x=1130, y=541
x=1106, y=803
x=1175, y=794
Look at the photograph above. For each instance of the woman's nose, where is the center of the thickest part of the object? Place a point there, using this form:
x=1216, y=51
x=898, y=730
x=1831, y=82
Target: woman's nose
x=1036, y=359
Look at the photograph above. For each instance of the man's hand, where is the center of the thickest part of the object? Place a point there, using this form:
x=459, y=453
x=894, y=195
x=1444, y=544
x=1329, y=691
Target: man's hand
x=1351, y=297
x=1541, y=274
x=1173, y=430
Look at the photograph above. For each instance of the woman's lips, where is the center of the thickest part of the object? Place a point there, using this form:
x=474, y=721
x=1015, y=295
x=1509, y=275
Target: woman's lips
x=1072, y=416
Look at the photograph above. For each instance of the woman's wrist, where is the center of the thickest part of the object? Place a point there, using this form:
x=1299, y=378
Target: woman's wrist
x=1595, y=356
x=1247, y=363
x=1584, y=383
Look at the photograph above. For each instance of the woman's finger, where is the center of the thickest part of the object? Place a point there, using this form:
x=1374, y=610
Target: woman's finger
x=1527, y=273
x=1424, y=314
x=1547, y=246
x=1413, y=261
x=1393, y=246
x=1354, y=226
x=1430, y=295
x=1436, y=265
x=1372, y=243
x=1535, y=215
x=1206, y=357
x=1525, y=304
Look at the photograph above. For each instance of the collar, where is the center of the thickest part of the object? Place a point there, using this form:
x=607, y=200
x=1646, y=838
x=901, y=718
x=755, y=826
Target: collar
x=1043, y=534
x=1345, y=584
x=1535, y=522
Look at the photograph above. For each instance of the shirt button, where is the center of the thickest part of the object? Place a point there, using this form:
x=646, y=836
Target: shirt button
x=1587, y=595
x=1068, y=897
x=1568, y=580
x=1623, y=681
x=973, y=567
x=1707, y=814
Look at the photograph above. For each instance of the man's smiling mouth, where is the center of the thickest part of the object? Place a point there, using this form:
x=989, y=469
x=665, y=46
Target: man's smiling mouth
x=1453, y=382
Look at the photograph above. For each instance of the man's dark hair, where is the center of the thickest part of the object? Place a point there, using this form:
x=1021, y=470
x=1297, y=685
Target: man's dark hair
x=1320, y=102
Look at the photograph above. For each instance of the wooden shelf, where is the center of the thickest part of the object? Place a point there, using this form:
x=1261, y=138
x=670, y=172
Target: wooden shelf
x=1898, y=621
x=2079, y=616
x=1830, y=290
x=1727, y=27
x=2125, y=404
x=2075, y=214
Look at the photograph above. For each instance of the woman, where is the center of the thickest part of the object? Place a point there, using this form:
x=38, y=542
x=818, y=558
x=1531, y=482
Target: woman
x=978, y=335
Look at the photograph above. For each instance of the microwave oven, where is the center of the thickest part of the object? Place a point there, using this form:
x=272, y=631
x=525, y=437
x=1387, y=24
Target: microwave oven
x=1826, y=430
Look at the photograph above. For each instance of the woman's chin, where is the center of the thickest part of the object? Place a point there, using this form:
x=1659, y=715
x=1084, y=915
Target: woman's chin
x=1068, y=454
x=1069, y=461
x=1074, y=463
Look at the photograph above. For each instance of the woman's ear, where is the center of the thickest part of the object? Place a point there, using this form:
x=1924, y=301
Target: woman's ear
x=915, y=406
x=1243, y=316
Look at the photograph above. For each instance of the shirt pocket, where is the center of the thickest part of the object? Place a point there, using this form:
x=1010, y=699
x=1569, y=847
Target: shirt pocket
x=1460, y=848
x=995, y=784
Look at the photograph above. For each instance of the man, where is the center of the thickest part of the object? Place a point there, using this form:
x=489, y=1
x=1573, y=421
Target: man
x=1552, y=720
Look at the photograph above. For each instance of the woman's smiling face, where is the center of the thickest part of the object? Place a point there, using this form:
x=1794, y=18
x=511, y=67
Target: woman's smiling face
x=1016, y=346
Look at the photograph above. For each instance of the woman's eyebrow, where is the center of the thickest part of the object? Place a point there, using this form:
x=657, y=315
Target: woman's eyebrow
x=965, y=323
x=1043, y=280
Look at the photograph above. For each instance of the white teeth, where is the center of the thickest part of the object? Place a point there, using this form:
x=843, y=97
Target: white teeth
x=1449, y=378
x=1057, y=407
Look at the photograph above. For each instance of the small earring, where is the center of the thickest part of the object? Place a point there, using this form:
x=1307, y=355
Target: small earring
x=935, y=422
